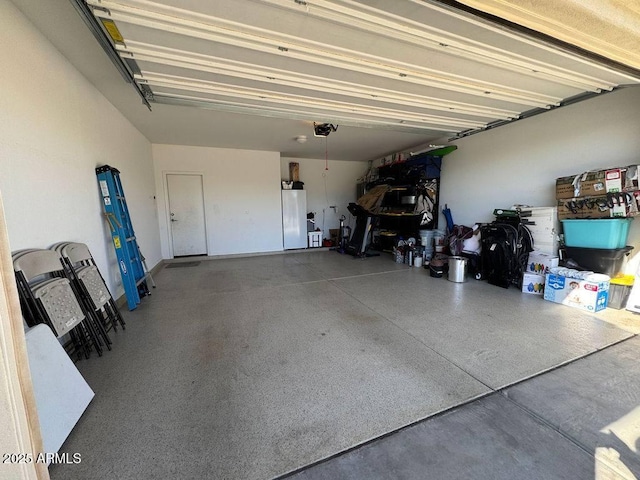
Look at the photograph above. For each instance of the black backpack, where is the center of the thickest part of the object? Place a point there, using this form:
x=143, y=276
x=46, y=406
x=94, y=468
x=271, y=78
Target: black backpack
x=505, y=248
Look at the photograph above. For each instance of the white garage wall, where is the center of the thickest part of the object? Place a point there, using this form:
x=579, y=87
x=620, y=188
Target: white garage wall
x=519, y=163
x=55, y=128
x=241, y=194
x=333, y=187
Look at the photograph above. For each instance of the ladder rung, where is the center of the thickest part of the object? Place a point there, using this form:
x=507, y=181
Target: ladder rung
x=130, y=239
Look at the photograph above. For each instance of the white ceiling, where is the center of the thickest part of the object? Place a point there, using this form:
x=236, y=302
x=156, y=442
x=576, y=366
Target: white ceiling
x=394, y=75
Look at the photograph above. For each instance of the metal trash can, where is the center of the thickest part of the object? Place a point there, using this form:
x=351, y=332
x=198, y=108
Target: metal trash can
x=457, y=269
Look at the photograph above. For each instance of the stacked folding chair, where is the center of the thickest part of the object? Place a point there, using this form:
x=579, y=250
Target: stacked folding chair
x=47, y=296
x=81, y=269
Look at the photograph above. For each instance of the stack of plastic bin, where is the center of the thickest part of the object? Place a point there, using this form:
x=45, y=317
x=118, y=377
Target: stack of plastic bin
x=598, y=244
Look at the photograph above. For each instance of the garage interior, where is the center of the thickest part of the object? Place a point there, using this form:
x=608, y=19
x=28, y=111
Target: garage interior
x=251, y=361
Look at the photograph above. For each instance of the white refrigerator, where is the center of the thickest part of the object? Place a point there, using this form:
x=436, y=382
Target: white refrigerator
x=294, y=219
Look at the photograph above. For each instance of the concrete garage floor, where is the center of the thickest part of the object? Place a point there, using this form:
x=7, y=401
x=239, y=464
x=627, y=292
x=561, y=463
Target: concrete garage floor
x=253, y=368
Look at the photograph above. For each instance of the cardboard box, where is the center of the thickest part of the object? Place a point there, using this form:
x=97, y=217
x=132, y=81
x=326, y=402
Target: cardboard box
x=582, y=185
x=599, y=182
x=591, y=294
x=334, y=233
x=533, y=283
x=540, y=263
x=294, y=171
x=600, y=206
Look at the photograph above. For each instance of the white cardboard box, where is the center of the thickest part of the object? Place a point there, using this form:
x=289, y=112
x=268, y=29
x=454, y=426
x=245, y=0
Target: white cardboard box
x=591, y=294
x=540, y=262
x=533, y=283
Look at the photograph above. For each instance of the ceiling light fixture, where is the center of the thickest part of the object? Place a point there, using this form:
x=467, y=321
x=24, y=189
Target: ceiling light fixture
x=301, y=139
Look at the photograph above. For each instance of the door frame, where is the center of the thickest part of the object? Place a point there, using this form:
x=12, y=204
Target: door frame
x=22, y=421
x=167, y=209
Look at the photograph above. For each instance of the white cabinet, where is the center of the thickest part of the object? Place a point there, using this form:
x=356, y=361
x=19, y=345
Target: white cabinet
x=546, y=230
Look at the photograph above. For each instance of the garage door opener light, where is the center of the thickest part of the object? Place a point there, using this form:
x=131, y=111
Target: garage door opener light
x=323, y=129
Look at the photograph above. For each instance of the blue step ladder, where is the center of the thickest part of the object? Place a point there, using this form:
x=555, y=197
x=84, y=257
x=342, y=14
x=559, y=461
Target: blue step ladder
x=131, y=263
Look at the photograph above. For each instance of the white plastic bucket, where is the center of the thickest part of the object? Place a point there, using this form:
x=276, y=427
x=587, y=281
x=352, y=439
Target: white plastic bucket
x=426, y=238
x=438, y=240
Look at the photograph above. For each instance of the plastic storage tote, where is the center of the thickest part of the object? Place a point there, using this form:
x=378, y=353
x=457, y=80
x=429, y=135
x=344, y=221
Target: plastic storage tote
x=596, y=232
x=600, y=260
x=619, y=290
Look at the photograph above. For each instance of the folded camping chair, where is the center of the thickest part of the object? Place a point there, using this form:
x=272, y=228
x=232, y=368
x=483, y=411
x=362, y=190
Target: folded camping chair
x=83, y=271
x=47, y=297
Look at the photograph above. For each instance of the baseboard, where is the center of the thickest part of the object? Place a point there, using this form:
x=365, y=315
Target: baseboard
x=246, y=255
x=157, y=267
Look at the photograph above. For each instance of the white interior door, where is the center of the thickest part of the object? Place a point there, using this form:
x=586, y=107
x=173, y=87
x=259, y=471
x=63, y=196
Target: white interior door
x=186, y=214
